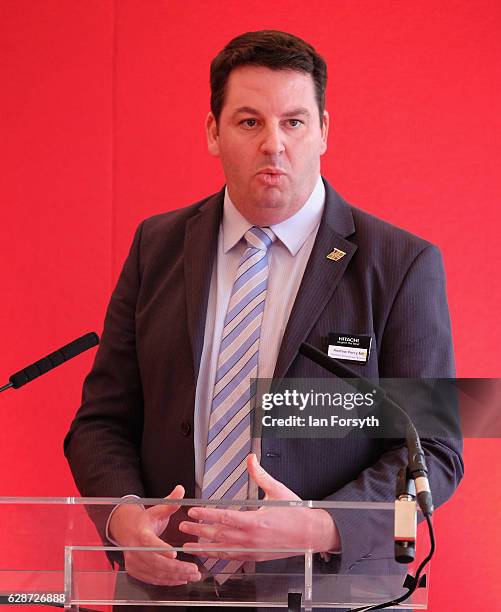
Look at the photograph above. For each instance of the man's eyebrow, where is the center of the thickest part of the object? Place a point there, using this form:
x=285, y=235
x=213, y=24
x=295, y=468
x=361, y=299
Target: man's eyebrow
x=297, y=111
x=292, y=113
x=246, y=109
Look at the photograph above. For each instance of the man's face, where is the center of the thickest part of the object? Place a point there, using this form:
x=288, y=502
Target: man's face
x=270, y=140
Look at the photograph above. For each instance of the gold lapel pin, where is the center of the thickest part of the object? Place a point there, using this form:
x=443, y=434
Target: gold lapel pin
x=336, y=254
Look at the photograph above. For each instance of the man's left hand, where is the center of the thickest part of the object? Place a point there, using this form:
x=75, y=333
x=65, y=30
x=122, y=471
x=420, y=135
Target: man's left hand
x=267, y=527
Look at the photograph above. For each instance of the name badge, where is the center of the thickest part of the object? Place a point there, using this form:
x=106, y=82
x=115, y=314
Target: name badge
x=354, y=348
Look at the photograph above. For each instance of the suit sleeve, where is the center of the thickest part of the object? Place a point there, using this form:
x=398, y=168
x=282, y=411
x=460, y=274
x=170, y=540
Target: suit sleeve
x=416, y=343
x=102, y=445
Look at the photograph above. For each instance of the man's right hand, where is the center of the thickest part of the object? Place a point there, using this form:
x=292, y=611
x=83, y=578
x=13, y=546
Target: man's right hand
x=131, y=525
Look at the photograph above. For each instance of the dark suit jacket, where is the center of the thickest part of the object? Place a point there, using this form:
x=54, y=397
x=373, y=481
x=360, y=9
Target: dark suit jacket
x=134, y=430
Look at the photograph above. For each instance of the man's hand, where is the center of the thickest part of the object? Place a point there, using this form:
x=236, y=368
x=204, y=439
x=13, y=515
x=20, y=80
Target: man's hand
x=300, y=528
x=131, y=525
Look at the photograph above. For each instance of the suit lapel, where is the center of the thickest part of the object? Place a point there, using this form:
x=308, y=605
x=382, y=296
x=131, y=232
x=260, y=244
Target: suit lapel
x=200, y=250
x=320, y=278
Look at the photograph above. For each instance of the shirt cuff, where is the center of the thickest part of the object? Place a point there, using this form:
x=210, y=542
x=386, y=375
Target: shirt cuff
x=107, y=531
x=326, y=556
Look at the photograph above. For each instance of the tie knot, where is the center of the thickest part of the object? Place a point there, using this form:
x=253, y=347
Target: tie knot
x=259, y=237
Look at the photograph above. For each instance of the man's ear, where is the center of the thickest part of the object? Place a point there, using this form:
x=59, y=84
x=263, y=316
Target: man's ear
x=325, y=132
x=212, y=135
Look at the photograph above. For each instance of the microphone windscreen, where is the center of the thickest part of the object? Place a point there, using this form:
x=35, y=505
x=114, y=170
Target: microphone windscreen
x=53, y=360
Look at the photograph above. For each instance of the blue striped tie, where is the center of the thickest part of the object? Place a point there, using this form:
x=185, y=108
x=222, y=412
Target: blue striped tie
x=229, y=440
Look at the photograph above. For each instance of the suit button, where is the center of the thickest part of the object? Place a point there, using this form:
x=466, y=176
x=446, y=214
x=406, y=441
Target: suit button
x=185, y=428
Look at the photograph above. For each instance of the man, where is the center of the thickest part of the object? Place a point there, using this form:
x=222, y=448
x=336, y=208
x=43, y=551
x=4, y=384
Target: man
x=150, y=404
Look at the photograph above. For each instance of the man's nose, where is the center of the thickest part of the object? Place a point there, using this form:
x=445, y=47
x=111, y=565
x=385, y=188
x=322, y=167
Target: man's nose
x=272, y=143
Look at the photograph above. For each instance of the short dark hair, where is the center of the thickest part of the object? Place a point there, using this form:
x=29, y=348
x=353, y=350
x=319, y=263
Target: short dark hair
x=272, y=49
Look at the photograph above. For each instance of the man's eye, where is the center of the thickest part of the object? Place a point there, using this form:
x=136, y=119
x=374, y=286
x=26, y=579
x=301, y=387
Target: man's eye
x=248, y=123
x=295, y=123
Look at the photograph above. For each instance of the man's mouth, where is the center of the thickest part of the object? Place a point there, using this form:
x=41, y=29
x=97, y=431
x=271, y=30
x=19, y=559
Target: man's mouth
x=272, y=171
x=271, y=176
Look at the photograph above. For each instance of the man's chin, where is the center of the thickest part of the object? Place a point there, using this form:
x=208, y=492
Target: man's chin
x=269, y=212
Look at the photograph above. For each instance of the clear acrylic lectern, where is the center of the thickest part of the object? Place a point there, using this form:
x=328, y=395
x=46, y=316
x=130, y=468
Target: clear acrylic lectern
x=54, y=551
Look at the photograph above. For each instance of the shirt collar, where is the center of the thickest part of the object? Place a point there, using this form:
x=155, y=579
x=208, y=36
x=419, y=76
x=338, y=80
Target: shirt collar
x=292, y=232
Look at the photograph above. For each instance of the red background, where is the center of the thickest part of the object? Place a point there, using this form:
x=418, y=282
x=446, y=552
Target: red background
x=102, y=112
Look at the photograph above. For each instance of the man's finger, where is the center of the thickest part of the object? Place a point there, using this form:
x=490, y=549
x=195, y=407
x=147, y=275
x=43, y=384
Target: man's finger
x=162, y=511
x=147, y=538
x=231, y=518
x=176, y=493
x=162, y=578
x=156, y=564
x=273, y=489
x=156, y=580
x=213, y=532
x=209, y=552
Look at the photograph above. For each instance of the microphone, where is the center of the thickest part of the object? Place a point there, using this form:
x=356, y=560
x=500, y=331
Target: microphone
x=42, y=366
x=405, y=518
x=416, y=459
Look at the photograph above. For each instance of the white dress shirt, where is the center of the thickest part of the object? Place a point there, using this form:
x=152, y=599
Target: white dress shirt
x=287, y=259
